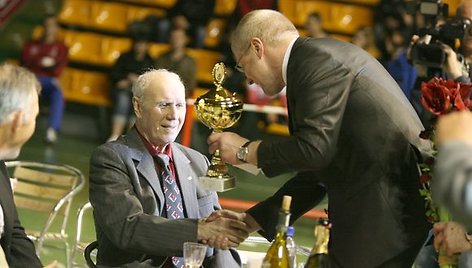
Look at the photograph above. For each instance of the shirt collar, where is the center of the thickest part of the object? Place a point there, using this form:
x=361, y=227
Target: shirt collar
x=155, y=150
x=286, y=58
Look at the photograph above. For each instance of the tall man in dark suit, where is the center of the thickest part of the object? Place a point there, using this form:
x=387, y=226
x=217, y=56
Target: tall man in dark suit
x=135, y=217
x=351, y=128
x=19, y=91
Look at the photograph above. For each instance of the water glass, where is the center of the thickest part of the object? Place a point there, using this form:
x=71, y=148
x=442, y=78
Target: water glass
x=194, y=254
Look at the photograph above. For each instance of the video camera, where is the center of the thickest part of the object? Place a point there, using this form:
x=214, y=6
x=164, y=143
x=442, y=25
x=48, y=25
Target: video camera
x=430, y=53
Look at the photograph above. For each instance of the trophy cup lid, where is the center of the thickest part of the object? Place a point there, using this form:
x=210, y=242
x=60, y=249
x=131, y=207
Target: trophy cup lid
x=219, y=108
x=220, y=97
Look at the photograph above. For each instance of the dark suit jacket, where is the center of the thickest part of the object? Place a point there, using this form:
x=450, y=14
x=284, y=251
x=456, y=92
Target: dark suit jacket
x=128, y=202
x=18, y=248
x=353, y=129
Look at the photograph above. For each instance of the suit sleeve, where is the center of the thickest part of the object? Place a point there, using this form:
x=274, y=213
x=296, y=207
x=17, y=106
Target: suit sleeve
x=22, y=251
x=306, y=192
x=452, y=183
x=116, y=193
x=317, y=98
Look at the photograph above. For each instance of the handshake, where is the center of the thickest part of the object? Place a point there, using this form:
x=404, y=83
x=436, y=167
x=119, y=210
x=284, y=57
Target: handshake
x=225, y=228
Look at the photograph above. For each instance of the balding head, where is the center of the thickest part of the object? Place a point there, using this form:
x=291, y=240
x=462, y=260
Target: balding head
x=268, y=25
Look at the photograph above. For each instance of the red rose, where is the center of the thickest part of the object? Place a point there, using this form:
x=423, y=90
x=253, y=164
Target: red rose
x=462, y=98
x=424, y=178
x=436, y=95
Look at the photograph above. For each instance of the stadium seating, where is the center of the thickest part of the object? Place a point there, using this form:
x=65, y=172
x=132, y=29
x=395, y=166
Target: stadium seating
x=214, y=32
x=205, y=59
x=225, y=7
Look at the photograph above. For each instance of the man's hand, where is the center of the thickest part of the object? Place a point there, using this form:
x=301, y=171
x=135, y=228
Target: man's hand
x=450, y=238
x=455, y=126
x=222, y=232
x=251, y=224
x=228, y=143
x=451, y=65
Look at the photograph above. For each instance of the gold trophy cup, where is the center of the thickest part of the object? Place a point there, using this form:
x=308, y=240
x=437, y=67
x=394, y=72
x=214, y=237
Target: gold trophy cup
x=218, y=109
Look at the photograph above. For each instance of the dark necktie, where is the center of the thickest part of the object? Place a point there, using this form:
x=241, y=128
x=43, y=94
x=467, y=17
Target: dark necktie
x=173, y=198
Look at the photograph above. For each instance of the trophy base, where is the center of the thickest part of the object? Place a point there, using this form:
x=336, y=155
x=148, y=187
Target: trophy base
x=217, y=184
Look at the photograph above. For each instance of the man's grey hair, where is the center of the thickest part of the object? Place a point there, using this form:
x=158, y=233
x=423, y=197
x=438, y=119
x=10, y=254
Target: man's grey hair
x=17, y=86
x=143, y=81
x=268, y=25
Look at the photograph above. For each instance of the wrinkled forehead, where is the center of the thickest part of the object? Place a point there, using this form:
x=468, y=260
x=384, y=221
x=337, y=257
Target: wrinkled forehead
x=165, y=87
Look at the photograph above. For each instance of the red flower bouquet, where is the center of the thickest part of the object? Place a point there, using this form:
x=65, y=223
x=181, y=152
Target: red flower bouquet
x=440, y=97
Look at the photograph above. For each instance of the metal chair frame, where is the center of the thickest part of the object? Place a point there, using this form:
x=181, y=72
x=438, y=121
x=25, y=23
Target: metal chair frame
x=46, y=181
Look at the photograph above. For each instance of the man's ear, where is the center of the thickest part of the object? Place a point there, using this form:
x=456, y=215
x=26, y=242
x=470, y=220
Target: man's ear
x=17, y=121
x=137, y=107
x=258, y=46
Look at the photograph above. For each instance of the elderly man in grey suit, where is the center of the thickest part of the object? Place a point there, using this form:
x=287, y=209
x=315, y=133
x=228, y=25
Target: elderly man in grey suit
x=144, y=188
x=351, y=128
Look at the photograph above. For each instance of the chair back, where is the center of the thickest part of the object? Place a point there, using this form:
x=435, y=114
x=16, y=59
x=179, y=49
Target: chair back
x=45, y=191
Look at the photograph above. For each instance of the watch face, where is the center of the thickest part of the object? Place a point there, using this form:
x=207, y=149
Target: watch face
x=242, y=154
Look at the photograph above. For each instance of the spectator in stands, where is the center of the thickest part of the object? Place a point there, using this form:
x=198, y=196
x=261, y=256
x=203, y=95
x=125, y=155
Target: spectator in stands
x=399, y=66
x=314, y=26
x=123, y=74
x=144, y=190
x=192, y=15
x=19, y=91
x=178, y=61
x=47, y=58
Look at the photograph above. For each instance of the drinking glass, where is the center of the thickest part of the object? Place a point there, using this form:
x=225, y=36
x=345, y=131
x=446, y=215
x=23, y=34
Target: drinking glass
x=194, y=254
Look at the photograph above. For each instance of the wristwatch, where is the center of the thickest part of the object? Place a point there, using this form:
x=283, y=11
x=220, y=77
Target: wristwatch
x=243, y=152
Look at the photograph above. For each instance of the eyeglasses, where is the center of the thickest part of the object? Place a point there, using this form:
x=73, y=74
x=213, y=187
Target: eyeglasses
x=238, y=65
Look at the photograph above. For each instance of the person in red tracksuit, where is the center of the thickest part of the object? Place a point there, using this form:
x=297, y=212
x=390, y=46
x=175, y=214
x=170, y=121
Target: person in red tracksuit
x=46, y=58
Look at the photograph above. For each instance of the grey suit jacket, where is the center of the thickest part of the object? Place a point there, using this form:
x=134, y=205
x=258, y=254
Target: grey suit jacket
x=352, y=129
x=127, y=200
x=452, y=184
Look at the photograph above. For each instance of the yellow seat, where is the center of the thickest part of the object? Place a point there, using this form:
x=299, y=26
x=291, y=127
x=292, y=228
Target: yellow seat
x=112, y=48
x=297, y=11
x=75, y=12
x=109, y=16
x=305, y=8
x=65, y=81
x=224, y=7
x=214, y=32
x=135, y=13
x=349, y=18
x=156, y=49
x=38, y=32
x=84, y=47
x=366, y=2
x=89, y=87
x=205, y=60
x=157, y=3
x=452, y=6
x=45, y=192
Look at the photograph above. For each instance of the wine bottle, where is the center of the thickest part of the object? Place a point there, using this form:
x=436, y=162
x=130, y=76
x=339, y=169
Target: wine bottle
x=277, y=256
x=319, y=254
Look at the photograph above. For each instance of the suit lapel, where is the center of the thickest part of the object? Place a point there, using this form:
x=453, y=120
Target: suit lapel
x=145, y=166
x=187, y=182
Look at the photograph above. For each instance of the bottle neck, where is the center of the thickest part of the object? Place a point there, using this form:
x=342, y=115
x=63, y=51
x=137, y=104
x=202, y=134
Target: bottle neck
x=283, y=223
x=321, y=240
